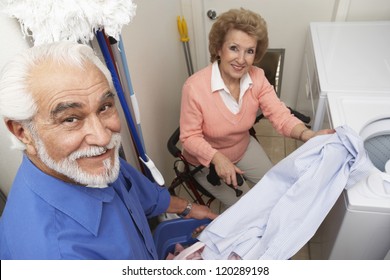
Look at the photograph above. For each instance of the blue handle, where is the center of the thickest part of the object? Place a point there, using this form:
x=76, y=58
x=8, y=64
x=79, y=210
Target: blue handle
x=121, y=96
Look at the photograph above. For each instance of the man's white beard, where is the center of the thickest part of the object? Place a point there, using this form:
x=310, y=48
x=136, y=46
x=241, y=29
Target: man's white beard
x=70, y=168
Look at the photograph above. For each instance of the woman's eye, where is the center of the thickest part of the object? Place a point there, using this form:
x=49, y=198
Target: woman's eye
x=251, y=51
x=233, y=48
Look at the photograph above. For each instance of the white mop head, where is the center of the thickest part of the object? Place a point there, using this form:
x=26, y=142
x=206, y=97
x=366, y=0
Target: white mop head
x=49, y=21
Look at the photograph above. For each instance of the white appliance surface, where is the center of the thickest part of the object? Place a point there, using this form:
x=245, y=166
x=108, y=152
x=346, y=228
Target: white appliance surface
x=372, y=194
x=367, y=114
x=357, y=109
x=352, y=56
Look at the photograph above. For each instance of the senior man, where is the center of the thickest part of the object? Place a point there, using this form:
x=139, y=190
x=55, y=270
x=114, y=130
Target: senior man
x=73, y=197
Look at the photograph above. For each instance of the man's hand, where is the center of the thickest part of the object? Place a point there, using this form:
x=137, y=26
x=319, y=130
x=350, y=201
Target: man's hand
x=178, y=205
x=201, y=212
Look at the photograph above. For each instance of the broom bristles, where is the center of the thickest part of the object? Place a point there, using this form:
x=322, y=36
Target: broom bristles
x=73, y=20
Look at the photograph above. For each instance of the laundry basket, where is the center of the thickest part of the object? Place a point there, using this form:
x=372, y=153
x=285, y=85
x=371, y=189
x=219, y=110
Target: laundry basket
x=170, y=232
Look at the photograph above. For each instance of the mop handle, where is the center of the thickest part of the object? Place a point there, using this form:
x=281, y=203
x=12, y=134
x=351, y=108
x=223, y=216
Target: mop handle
x=125, y=75
x=118, y=88
x=183, y=31
x=133, y=97
x=110, y=65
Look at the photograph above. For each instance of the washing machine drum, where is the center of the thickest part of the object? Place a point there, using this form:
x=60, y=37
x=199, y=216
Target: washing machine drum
x=376, y=136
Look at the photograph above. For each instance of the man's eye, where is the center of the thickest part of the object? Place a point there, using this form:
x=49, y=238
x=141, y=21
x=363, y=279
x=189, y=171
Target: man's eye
x=70, y=120
x=105, y=107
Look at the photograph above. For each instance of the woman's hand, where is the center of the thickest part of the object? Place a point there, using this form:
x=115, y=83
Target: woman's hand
x=225, y=169
x=302, y=133
x=307, y=135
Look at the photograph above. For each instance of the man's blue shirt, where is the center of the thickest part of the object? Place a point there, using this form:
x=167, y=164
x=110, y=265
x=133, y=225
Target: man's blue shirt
x=46, y=218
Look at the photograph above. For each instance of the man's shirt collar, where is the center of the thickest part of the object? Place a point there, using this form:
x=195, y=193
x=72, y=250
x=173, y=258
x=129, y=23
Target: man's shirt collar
x=82, y=203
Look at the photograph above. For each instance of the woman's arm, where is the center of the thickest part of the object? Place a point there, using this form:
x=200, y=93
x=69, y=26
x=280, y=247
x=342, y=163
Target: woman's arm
x=302, y=133
x=191, y=120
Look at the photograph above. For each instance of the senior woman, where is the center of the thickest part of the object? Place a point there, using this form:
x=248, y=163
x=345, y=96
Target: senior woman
x=220, y=104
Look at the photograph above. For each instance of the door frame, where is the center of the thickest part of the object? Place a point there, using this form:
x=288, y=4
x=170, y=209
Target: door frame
x=193, y=13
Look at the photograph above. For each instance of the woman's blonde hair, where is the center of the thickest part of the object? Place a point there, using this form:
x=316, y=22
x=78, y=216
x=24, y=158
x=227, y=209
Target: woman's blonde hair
x=240, y=19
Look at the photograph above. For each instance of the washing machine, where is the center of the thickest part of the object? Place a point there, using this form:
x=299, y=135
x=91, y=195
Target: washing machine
x=358, y=226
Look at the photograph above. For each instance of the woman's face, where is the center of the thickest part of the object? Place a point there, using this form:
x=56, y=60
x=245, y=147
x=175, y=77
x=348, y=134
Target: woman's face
x=236, y=55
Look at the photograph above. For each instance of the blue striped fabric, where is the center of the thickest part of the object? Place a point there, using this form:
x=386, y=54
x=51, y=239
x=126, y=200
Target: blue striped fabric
x=286, y=207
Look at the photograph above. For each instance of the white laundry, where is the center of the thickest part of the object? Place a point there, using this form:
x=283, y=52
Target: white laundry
x=284, y=210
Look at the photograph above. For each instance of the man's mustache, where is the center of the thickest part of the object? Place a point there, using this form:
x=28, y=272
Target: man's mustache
x=94, y=151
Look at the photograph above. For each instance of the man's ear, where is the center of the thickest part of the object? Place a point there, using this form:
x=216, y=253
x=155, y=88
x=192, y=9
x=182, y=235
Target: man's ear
x=23, y=134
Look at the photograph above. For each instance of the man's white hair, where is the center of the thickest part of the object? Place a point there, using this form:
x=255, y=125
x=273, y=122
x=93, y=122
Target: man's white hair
x=16, y=101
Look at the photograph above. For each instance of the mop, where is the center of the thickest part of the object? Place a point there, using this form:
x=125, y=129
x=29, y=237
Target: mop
x=77, y=21
x=183, y=31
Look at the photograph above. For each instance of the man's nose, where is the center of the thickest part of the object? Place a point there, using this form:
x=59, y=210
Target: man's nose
x=97, y=132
